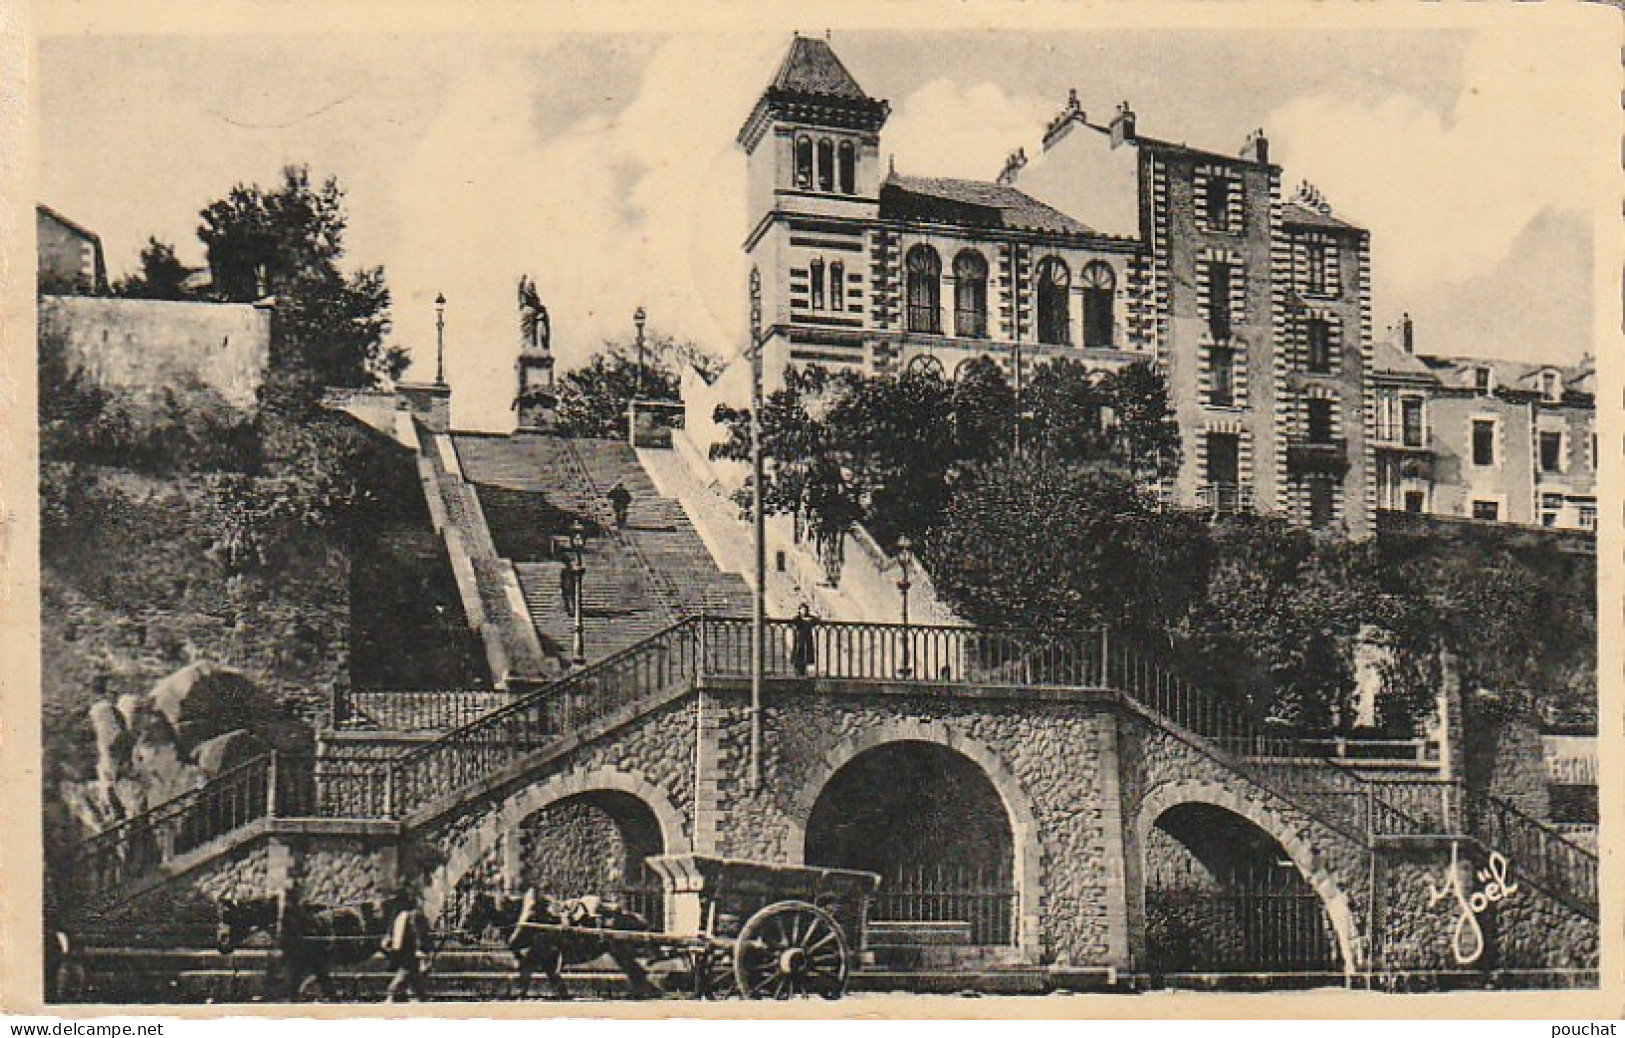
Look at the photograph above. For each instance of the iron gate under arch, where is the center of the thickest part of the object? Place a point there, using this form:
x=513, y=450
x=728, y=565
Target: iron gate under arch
x=1264, y=918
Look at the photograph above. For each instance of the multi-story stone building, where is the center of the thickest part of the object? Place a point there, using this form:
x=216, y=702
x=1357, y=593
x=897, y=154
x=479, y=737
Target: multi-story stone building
x=1491, y=440
x=1115, y=247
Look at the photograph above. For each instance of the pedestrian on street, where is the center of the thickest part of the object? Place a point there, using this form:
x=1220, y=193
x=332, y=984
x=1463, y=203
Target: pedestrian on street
x=620, y=499
x=403, y=947
x=803, y=653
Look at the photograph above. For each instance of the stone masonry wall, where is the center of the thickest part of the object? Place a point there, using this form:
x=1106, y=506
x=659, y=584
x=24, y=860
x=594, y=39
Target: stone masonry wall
x=1042, y=757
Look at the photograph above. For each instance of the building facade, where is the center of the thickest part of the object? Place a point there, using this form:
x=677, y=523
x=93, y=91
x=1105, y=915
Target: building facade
x=70, y=257
x=1487, y=440
x=1109, y=247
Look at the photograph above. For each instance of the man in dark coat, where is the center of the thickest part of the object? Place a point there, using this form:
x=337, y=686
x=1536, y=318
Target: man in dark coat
x=620, y=499
x=803, y=654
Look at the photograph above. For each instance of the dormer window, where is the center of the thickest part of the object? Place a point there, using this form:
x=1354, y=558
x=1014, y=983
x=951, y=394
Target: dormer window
x=1484, y=379
x=1551, y=385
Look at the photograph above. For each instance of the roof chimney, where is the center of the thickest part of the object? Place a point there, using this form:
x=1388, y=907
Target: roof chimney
x=1122, y=125
x=1013, y=166
x=1257, y=148
x=1407, y=334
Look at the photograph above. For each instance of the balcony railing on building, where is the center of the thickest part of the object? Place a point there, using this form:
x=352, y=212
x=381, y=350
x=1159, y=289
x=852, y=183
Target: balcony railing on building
x=1225, y=498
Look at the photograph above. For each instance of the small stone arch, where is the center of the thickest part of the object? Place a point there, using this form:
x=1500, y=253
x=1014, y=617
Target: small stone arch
x=484, y=835
x=1338, y=909
x=1028, y=869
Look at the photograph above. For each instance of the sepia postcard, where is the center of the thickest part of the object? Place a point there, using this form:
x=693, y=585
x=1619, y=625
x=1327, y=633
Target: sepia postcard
x=812, y=510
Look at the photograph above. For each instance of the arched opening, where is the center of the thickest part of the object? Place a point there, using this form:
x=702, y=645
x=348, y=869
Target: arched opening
x=1099, y=291
x=970, y=295
x=849, y=168
x=826, y=164
x=594, y=843
x=932, y=824
x=804, y=163
x=1222, y=895
x=1054, y=285
x=924, y=288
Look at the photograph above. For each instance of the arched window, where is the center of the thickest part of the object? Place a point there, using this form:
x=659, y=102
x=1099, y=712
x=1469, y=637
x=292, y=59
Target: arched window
x=826, y=165
x=926, y=365
x=924, y=289
x=804, y=164
x=849, y=168
x=970, y=295
x=837, y=285
x=1054, y=283
x=817, y=271
x=1099, y=291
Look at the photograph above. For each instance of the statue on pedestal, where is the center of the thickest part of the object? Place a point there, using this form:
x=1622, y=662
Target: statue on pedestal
x=535, y=331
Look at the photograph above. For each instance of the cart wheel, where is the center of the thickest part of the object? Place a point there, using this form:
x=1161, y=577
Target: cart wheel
x=713, y=974
x=791, y=948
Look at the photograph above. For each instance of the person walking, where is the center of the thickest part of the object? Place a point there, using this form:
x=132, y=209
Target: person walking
x=403, y=947
x=803, y=652
x=620, y=499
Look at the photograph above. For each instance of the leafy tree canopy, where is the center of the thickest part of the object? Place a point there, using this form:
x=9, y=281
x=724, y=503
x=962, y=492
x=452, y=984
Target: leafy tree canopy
x=593, y=400
x=161, y=275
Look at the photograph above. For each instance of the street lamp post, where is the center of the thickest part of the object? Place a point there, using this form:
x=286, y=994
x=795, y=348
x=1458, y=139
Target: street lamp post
x=758, y=611
x=440, y=339
x=638, y=317
x=907, y=669
x=578, y=565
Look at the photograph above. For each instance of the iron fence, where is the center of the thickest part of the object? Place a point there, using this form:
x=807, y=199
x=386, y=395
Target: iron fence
x=981, y=900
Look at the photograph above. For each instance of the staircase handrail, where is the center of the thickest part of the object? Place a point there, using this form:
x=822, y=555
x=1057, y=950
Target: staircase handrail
x=665, y=591
x=1533, y=849
x=548, y=715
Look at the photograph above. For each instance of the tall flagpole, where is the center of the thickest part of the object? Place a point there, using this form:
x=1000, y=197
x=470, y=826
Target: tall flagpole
x=758, y=619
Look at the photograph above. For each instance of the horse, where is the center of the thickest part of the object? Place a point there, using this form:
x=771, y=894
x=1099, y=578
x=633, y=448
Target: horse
x=311, y=937
x=551, y=951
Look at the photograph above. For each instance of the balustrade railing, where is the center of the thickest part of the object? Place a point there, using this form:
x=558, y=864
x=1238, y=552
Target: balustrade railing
x=397, y=786
x=1533, y=849
x=414, y=710
x=470, y=753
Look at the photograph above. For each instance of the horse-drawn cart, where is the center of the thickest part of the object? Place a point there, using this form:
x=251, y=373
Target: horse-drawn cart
x=752, y=928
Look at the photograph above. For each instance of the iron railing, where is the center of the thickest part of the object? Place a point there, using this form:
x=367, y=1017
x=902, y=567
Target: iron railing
x=981, y=900
x=413, y=710
x=1533, y=849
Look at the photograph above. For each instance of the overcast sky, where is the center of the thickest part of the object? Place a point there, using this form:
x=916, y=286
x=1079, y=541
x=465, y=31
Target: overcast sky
x=605, y=165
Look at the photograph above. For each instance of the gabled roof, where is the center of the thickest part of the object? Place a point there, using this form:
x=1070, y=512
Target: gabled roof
x=1304, y=216
x=72, y=225
x=812, y=68
x=974, y=203
x=1389, y=359
x=1515, y=375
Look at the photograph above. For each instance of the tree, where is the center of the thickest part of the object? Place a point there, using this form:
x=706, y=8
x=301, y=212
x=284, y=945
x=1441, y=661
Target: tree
x=1144, y=433
x=593, y=400
x=984, y=410
x=161, y=275
x=286, y=242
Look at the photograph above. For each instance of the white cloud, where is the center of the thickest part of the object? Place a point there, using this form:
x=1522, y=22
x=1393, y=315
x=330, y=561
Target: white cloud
x=1447, y=195
x=645, y=208
x=954, y=130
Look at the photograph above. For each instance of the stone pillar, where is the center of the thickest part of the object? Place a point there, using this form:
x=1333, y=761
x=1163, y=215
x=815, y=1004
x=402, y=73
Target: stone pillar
x=1115, y=841
x=707, y=772
x=428, y=402
x=513, y=859
x=281, y=865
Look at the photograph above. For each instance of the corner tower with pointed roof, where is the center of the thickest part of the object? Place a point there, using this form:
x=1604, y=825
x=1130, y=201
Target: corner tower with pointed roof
x=813, y=151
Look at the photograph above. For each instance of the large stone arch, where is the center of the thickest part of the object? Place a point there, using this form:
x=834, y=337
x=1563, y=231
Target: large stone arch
x=474, y=843
x=1338, y=908
x=1028, y=867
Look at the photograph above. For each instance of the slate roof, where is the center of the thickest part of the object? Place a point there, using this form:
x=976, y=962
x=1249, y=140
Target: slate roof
x=975, y=203
x=1303, y=216
x=811, y=67
x=1387, y=358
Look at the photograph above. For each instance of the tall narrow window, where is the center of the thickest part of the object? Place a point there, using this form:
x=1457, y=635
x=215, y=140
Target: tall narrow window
x=1318, y=332
x=924, y=287
x=837, y=285
x=1484, y=442
x=1322, y=494
x=817, y=271
x=970, y=295
x=826, y=165
x=1222, y=361
x=1218, y=299
x=1217, y=203
x=1411, y=418
x=849, y=168
x=1484, y=379
x=1054, y=285
x=1320, y=421
x=1551, y=451
x=804, y=163
x=1317, y=267
x=1099, y=292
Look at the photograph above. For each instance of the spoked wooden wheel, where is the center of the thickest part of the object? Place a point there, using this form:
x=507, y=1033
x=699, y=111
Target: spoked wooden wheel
x=791, y=948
